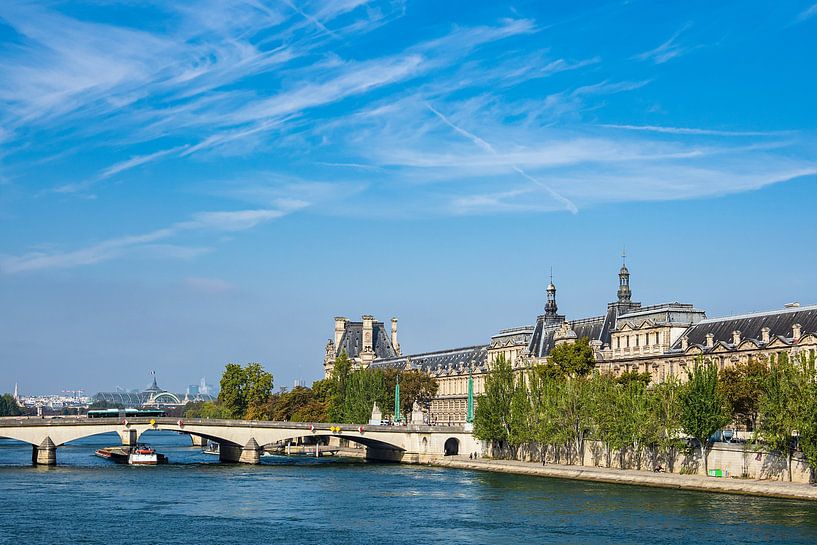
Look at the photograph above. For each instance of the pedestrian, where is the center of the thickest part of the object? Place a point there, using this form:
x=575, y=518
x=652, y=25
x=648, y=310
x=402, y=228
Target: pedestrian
x=470, y=456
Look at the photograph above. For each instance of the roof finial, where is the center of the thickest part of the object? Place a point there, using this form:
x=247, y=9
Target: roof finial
x=551, y=274
x=624, y=256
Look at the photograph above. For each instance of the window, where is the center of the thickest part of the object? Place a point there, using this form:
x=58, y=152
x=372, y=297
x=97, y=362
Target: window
x=618, y=342
x=636, y=339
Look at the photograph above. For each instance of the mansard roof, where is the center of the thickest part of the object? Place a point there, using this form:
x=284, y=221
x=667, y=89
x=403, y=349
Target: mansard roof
x=514, y=336
x=352, y=341
x=595, y=328
x=439, y=360
x=779, y=322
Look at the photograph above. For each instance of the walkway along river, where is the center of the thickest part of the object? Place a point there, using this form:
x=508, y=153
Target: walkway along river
x=308, y=500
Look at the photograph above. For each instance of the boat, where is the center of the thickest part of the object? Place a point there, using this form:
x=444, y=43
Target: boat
x=142, y=455
x=211, y=448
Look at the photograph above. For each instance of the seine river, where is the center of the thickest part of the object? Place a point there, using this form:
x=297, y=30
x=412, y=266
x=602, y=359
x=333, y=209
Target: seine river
x=194, y=499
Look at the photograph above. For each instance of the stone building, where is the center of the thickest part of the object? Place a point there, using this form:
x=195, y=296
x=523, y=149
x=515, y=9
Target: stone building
x=663, y=340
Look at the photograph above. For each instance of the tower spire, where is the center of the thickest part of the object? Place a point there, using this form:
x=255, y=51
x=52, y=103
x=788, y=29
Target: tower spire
x=550, y=306
x=624, y=293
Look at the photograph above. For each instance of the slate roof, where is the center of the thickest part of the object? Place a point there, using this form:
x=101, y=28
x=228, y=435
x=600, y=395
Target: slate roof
x=779, y=323
x=440, y=361
x=596, y=328
x=352, y=341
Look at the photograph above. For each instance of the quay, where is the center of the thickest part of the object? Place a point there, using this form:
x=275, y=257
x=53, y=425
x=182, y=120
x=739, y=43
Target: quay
x=750, y=487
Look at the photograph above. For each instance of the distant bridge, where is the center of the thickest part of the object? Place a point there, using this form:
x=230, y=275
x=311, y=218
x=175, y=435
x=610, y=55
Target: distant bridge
x=243, y=440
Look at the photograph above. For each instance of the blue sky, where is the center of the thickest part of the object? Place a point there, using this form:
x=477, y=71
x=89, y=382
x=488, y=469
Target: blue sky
x=187, y=184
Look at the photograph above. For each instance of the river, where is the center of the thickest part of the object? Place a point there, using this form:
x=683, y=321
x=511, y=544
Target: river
x=194, y=499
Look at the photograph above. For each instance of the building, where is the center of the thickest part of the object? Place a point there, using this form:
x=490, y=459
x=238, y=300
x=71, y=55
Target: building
x=153, y=396
x=663, y=340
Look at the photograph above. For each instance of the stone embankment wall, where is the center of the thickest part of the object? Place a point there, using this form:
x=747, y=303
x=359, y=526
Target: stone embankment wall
x=738, y=460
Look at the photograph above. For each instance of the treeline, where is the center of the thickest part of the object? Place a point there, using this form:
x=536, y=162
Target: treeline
x=346, y=397
x=559, y=407
x=9, y=406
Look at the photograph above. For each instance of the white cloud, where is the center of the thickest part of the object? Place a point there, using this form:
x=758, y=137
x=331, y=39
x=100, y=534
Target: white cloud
x=807, y=13
x=667, y=50
x=221, y=221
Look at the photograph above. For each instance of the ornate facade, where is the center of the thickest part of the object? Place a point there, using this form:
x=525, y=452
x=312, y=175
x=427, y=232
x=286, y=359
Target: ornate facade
x=663, y=340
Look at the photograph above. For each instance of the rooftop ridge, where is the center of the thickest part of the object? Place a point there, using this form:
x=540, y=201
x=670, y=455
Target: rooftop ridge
x=433, y=353
x=757, y=314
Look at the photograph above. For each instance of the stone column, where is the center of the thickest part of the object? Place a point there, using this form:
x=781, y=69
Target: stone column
x=248, y=454
x=45, y=454
x=129, y=437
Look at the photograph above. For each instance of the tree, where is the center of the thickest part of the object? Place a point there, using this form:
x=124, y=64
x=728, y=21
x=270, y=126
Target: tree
x=415, y=385
x=703, y=407
x=244, y=390
x=742, y=386
x=808, y=415
x=665, y=417
x=9, y=406
x=783, y=405
x=574, y=359
x=575, y=410
x=627, y=377
x=494, y=407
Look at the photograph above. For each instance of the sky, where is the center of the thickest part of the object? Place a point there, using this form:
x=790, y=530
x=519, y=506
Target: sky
x=187, y=184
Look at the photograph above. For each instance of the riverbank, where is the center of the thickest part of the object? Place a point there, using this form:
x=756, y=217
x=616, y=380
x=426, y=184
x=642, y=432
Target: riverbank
x=772, y=489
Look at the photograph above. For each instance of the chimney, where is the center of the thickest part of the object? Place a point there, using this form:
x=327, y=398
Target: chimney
x=764, y=334
x=736, y=337
x=367, y=333
x=684, y=343
x=394, y=342
x=796, y=331
x=710, y=340
x=340, y=329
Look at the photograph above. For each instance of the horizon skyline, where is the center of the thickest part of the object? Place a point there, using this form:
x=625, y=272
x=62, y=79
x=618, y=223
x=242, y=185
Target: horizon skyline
x=186, y=186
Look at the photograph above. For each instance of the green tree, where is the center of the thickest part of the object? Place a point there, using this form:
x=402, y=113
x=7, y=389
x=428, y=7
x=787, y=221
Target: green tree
x=627, y=377
x=9, y=406
x=244, y=390
x=573, y=359
x=808, y=414
x=742, y=386
x=415, y=385
x=703, y=407
x=783, y=405
x=665, y=418
x=576, y=416
x=491, y=419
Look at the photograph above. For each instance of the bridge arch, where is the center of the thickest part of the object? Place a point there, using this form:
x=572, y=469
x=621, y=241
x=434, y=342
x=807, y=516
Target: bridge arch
x=452, y=446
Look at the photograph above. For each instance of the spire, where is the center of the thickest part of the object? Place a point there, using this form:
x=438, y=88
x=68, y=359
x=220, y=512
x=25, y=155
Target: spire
x=624, y=293
x=550, y=306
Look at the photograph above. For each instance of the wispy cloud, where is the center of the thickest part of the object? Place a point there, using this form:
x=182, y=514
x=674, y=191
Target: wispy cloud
x=220, y=221
x=667, y=50
x=692, y=131
x=807, y=13
x=490, y=149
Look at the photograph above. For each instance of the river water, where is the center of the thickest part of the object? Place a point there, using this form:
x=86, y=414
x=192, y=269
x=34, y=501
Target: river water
x=194, y=499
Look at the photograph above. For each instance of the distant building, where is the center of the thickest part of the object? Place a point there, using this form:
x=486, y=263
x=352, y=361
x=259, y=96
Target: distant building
x=153, y=396
x=663, y=340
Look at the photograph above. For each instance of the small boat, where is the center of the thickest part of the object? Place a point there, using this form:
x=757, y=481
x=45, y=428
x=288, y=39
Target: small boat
x=211, y=448
x=139, y=455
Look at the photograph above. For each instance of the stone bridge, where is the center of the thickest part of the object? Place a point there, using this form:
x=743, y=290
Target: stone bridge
x=244, y=440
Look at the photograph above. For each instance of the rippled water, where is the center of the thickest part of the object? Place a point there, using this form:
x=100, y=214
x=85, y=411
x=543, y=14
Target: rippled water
x=303, y=500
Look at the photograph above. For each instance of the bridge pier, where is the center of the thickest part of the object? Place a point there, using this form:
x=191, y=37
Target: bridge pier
x=45, y=454
x=129, y=437
x=248, y=454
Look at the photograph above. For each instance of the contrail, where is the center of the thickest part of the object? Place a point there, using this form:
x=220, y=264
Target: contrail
x=490, y=149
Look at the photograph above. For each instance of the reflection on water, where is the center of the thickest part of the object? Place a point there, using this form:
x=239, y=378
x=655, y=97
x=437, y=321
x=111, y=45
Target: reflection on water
x=196, y=499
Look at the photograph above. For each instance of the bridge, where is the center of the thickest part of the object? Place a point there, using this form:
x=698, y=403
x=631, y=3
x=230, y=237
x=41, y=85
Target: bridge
x=244, y=440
